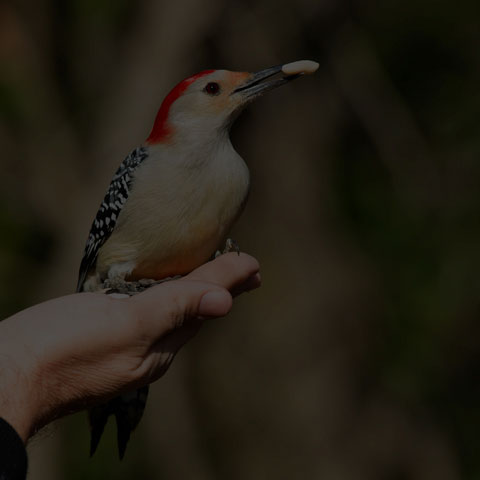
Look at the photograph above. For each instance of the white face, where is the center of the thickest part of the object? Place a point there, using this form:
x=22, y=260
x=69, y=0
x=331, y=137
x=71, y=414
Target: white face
x=205, y=104
x=208, y=103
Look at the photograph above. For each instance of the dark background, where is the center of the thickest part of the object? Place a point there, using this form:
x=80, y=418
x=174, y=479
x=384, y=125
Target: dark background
x=358, y=358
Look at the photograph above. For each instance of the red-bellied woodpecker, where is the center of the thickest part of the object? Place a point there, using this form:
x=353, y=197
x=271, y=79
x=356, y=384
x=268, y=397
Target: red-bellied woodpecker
x=173, y=200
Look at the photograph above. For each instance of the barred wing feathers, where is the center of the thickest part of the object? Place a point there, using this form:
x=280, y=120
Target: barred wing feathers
x=110, y=208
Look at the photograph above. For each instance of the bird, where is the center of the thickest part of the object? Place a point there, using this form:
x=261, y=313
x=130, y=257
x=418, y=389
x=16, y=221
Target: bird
x=173, y=200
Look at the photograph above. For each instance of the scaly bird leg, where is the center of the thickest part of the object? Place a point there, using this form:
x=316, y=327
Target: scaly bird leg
x=123, y=287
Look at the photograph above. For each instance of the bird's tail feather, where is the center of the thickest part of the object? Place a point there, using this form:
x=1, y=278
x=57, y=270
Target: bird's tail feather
x=128, y=410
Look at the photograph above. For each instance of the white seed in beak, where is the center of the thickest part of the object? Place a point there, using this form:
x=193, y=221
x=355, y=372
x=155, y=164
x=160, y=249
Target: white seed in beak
x=302, y=66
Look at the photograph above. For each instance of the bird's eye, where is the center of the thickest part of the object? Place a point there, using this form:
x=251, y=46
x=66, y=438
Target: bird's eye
x=212, y=88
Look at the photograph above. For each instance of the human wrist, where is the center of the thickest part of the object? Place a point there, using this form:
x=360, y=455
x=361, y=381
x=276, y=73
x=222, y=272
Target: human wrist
x=15, y=404
x=18, y=398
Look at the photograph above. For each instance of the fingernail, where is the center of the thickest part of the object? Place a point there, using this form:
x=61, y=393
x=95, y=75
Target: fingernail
x=253, y=282
x=215, y=304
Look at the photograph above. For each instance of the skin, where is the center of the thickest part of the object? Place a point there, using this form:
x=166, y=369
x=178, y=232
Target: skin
x=73, y=352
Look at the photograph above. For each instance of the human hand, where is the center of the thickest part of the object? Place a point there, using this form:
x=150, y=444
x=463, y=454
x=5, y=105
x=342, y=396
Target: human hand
x=73, y=352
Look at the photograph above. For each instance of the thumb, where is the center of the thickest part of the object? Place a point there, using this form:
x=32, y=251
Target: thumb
x=166, y=307
x=215, y=303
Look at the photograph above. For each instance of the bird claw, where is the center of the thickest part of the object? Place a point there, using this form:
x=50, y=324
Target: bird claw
x=120, y=286
x=230, y=246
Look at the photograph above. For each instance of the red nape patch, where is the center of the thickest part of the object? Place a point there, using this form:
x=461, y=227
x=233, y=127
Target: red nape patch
x=161, y=129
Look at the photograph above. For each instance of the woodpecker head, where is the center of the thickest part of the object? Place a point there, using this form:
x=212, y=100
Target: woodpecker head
x=207, y=103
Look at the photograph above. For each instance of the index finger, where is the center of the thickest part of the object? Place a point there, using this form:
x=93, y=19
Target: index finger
x=228, y=270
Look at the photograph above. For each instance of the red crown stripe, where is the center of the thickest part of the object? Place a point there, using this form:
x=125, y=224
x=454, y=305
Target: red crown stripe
x=161, y=129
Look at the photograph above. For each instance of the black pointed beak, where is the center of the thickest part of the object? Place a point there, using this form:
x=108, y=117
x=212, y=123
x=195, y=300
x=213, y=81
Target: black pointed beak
x=263, y=81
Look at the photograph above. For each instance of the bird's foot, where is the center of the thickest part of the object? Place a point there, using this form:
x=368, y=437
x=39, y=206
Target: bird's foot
x=150, y=282
x=122, y=287
x=230, y=246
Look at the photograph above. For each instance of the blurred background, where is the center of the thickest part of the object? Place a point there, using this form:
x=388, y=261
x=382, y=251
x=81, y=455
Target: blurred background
x=359, y=356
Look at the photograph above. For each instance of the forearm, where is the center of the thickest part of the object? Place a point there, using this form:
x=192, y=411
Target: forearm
x=16, y=412
x=16, y=402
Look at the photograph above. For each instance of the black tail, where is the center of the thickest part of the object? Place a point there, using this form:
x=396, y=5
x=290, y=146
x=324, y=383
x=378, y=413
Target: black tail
x=128, y=410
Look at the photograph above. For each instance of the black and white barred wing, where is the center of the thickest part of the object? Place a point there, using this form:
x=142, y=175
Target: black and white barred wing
x=110, y=208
